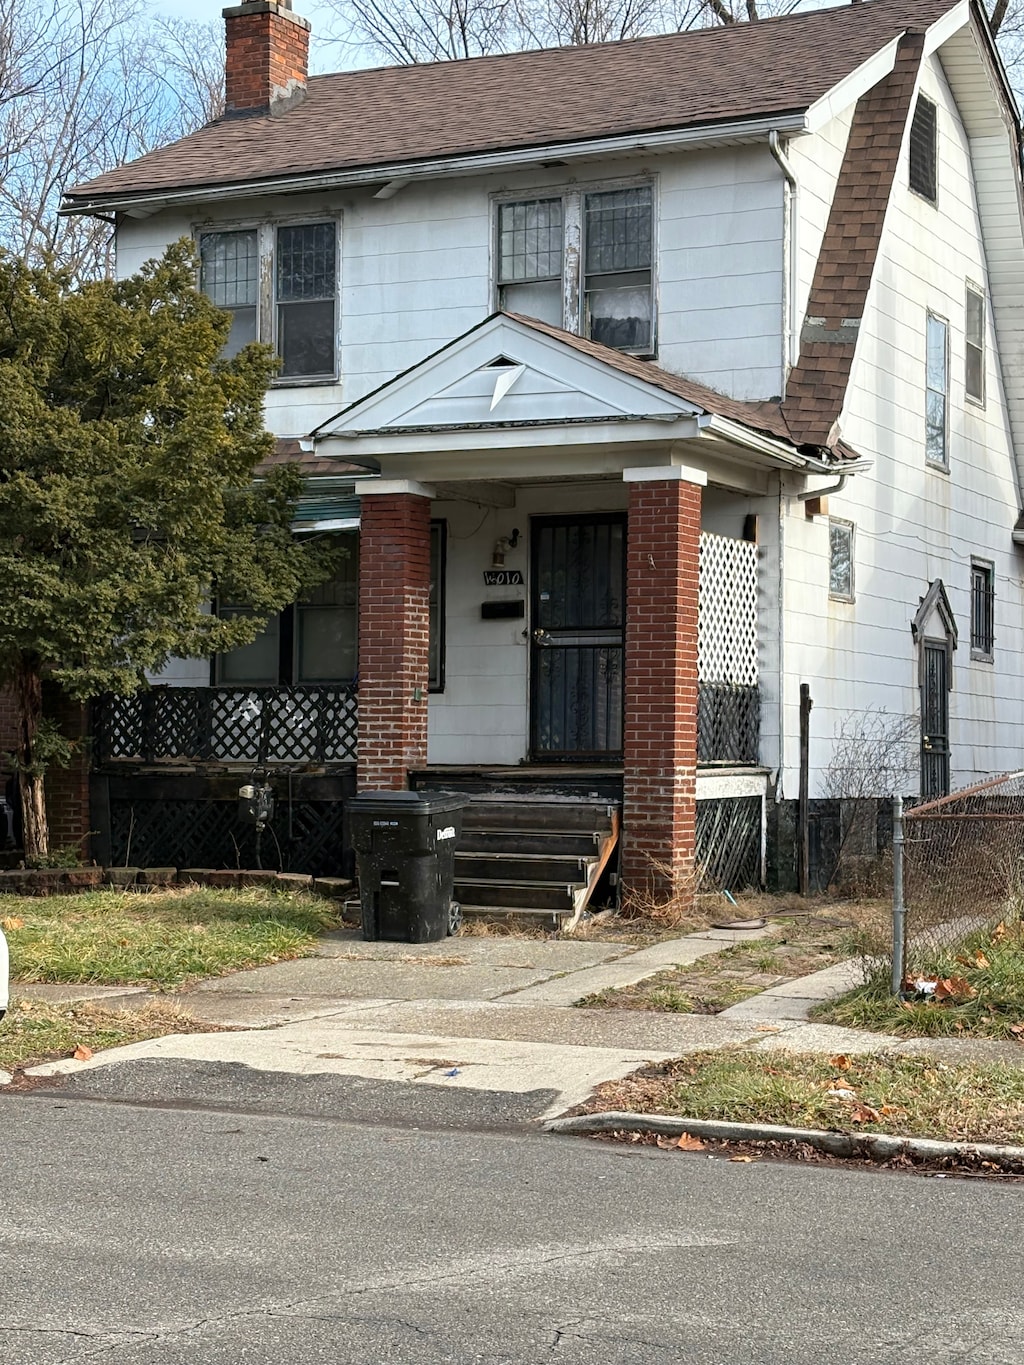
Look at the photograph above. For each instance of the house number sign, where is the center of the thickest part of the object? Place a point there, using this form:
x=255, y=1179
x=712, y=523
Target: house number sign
x=503, y=578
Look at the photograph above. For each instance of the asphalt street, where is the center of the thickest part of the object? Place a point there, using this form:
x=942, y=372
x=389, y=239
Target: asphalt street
x=192, y=1215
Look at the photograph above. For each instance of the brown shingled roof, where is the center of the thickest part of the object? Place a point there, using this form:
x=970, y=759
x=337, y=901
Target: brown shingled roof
x=531, y=99
x=764, y=417
x=817, y=386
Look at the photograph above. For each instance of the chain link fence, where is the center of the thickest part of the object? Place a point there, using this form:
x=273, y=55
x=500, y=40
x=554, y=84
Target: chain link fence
x=958, y=878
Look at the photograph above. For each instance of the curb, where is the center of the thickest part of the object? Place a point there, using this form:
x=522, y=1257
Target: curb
x=878, y=1146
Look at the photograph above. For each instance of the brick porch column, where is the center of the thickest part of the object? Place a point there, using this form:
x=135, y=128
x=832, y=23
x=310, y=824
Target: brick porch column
x=394, y=630
x=660, y=739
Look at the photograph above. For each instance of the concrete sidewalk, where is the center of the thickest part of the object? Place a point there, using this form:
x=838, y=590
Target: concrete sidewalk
x=493, y=1014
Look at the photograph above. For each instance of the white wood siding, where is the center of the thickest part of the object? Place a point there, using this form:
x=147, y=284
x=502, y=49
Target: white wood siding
x=914, y=523
x=416, y=270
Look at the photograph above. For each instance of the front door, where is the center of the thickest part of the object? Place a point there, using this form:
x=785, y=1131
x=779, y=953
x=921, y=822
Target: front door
x=934, y=719
x=577, y=618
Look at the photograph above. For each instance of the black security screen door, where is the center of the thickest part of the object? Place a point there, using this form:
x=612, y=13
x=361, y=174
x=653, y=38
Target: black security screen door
x=934, y=721
x=578, y=602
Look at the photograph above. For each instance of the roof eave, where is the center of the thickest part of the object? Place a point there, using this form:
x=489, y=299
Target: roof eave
x=146, y=202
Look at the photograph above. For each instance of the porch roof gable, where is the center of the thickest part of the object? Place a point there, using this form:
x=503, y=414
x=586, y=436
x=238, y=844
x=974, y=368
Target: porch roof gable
x=514, y=371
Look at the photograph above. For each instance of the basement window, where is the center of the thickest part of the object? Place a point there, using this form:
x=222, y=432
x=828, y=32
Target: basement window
x=923, y=150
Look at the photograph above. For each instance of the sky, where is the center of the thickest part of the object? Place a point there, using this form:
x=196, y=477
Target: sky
x=333, y=57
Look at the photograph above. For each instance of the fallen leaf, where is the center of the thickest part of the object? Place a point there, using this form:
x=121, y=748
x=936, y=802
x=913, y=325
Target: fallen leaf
x=999, y=932
x=768, y=1028
x=840, y=1062
x=980, y=960
x=82, y=1053
x=863, y=1113
x=688, y=1143
x=12, y=922
x=743, y=1158
x=665, y=1143
x=1017, y=1030
x=954, y=988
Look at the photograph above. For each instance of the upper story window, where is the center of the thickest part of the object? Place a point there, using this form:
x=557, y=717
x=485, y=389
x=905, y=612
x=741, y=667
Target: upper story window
x=923, y=150
x=530, y=237
x=936, y=433
x=605, y=291
x=974, y=344
x=300, y=321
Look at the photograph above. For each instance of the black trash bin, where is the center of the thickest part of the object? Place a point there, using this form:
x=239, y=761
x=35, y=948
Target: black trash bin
x=405, y=861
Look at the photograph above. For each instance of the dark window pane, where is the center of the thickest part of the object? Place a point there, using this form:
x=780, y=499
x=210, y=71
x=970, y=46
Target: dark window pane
x=619, y=313
x=305, y=338
x=618, y=230
x=326, y=644
x=983, y=600
x=258, y=662
x=305, y=262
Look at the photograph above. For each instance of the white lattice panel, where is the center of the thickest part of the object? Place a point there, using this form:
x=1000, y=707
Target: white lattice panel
x=727, y=630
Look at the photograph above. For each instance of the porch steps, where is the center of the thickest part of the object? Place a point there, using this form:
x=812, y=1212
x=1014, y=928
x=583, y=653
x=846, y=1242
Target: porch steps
x=536, y=855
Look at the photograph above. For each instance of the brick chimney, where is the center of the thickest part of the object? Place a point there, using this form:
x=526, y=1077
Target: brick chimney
x=267, y=58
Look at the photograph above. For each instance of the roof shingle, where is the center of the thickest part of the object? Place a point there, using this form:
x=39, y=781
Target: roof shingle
x=531, y=99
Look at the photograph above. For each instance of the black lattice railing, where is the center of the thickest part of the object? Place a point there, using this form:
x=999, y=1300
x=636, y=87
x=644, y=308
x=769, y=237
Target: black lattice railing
x=728, y=723
x=261, y=726
x=303, y=836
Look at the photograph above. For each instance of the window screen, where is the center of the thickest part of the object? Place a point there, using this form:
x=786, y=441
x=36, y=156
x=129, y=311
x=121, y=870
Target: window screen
x=228, y=276
x=306, y=288
x=923, y=175
x=617, y=267
x=974, y=345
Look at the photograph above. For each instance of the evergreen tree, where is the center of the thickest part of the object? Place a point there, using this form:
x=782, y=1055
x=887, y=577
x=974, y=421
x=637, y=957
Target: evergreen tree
x=128, y=449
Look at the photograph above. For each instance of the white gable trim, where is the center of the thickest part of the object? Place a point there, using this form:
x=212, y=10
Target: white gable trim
x=503, y=373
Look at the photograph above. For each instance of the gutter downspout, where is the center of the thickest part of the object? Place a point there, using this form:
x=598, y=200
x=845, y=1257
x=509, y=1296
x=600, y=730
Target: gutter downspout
x=791, y=226
x=836, y=487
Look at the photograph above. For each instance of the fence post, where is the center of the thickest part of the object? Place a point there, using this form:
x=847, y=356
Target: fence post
x=898, y=908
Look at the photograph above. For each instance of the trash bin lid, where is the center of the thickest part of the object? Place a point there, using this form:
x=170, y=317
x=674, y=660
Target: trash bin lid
x=407, y=803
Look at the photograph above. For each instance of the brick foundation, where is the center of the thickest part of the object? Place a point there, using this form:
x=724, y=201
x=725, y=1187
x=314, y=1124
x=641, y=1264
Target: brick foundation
x=267, y=56
x=394, y=634
x=660, y=740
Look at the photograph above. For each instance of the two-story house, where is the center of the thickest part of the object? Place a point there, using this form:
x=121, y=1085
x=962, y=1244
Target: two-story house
x=649, y=381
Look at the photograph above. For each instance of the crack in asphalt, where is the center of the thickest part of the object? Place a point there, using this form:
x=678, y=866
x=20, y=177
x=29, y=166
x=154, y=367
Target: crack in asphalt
x=331, y=1306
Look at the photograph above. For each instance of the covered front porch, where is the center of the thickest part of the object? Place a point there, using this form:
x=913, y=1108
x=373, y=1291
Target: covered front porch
x=566, y=567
